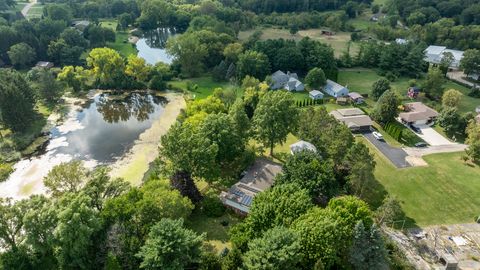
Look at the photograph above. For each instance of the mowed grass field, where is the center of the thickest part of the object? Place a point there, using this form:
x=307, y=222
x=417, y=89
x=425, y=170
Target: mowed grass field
x=122, y=45
x=339, y=42
x=447, y=191
x=361, y=80
x=36, y=11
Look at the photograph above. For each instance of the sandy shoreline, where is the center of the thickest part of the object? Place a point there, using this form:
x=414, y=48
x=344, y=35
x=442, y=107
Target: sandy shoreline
x=134, y=164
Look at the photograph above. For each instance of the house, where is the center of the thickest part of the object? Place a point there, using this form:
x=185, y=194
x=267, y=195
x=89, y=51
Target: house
x=356, y=97
x=301, y=146
x=401, y=41
x=417, y=113
x=80, y=25
x=335, y=90
x=44, y=64
x=315, y=94
x=355, y=119
x=288, y=81
x=257, y=178
x=434, y=55
x=413, y=92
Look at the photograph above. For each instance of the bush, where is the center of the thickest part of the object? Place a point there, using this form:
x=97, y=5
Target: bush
x=5, y=170
x=393, y=129
x=391, y=76
x=213, y=207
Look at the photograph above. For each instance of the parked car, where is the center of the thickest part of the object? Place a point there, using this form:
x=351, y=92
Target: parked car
x=377, y=135
x=421, y=144
x=416, y=129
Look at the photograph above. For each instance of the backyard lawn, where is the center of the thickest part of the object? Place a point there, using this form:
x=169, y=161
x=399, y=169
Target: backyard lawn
x=122, y=45
x=447, y=191
x=205, y=84
x=112, y=24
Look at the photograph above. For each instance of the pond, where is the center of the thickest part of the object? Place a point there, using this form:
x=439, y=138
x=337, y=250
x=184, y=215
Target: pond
x=100, y=132
x=151, y=46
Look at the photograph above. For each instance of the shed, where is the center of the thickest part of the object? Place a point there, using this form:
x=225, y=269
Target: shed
x=315, y=94
x=301, y=146
x=335, y=90
x=44, y=64
x=356, y=97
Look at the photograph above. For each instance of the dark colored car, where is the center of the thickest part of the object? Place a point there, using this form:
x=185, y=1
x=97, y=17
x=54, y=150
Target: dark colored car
x=421, y=144
x=414, y=128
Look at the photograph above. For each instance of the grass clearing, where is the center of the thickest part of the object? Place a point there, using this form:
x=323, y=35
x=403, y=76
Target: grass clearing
x=205, y=84
x=36, y=11
x=122, y=45
x=112, y=24
x=339, y=42
x=447, y=191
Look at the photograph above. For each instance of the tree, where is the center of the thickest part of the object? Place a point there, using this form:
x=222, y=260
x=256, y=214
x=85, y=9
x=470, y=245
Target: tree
x=379, y=87
x=433, y=85
x=99, y=36
x=183, y=182
x=446, y=62
x=278, y=248
x=44, y=82
x=107, y=66
x=473, y=141
x=77, y=223
x=16, y=100
x=136, y=68
x=274, y=118
x=451, y=121
x=189, y=52
x=368, y=249
x=390, y=211
x=21, y=54
x=311, y=172
x=386, y=108
x=66, y=177
x=232, y=52
x=451, y=98
x=470, y=62
x=169, y=246
x=11, y=223
x=316, y=78
x=74, y=77
x=58, y=12
x=253, y=63
x=240, y=119
x=360, y=165
x=62, y=53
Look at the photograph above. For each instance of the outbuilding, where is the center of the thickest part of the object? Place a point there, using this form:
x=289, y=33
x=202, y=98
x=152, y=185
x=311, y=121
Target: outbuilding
x=335, y=90
x=315, y=94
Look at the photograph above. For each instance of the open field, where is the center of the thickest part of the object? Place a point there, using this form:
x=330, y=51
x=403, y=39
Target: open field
x=447, y=191
x=205, y=84
x=361, y=80
x=112, y=24
x=339, y=42
x=36, y=11
x=20, y=4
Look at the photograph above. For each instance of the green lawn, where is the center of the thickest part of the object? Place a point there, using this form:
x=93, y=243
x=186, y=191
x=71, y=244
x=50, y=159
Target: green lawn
x=36, y=11
x=361, y=80
x=19, y=5
x=447, y=191
x=122, y=45
x=112, y=24
x=205, y=84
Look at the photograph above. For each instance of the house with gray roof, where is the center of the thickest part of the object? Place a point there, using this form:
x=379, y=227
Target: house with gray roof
x=315, y=94
x=288, y=81
x=335, y=90
x=259, y=177
x=434, y=55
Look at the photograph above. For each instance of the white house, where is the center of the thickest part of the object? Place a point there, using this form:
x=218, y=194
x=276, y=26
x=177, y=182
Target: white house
x=434, y=55
x=315, y=94
x=288, y=81
x=335, y=90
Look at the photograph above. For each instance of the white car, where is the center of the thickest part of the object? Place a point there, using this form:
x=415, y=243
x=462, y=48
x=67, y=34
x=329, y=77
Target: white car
x=377, y=135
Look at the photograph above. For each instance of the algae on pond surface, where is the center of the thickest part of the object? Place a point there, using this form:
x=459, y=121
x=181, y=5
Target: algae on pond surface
x=133, y=166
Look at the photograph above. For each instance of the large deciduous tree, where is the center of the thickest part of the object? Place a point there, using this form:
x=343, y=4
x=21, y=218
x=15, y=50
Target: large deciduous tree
x=379, y=87
x=473, y=141
x=66, y=177
x=169, y=246
x=274, y=118
x=189, y=52
x=16, y=100
x=433, y=85
x=278, y=248
x=21, y=54
x=451, y=98
x=470, y=62
x=253, y=63
x=386, y=108
x=107, y=66
x=315, y=78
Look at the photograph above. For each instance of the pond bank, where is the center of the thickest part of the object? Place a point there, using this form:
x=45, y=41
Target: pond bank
x=134, y=164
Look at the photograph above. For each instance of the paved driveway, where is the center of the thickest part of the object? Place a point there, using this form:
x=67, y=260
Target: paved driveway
x=432, y=137
x=395, y=155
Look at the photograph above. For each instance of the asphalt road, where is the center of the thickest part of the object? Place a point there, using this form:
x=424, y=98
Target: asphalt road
x=395, y=155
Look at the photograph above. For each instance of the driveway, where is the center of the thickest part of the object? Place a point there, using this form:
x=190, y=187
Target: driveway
x=432, y=137
x=395, y=155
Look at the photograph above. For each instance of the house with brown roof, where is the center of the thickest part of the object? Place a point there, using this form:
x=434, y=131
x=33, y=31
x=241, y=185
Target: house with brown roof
x=354, y=118
x=259, y=177
x=417, y=113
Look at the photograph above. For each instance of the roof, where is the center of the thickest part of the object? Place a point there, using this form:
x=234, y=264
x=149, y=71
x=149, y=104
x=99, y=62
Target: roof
x=401, y=41
x=354, y=95
x=287, y=80
x=352, y=117
x=258, y=178
x=417, y=111
x=44, y=64
x=302, y=145
x=315, y=93
x=434, y=54
x=333, y=86
x=432, y=49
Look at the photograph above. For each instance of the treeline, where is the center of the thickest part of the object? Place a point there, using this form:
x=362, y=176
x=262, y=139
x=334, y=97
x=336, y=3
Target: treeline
x=282, y=6
x=422, y=12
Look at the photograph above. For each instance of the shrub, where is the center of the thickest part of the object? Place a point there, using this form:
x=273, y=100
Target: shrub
x=5, y=170
x=213, y=207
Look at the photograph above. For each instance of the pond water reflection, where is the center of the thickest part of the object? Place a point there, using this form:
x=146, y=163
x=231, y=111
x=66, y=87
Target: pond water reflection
x=151, y=46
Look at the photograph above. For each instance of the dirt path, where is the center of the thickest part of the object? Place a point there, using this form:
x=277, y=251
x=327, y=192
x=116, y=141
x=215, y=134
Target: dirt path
x=133, y=166
x=27, y=8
